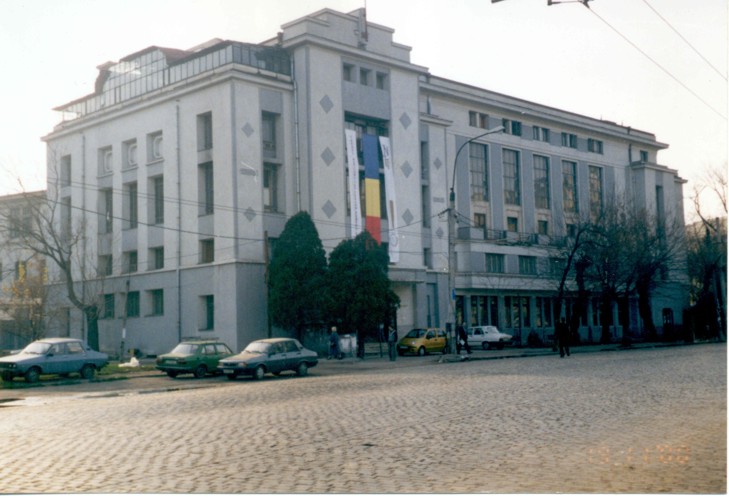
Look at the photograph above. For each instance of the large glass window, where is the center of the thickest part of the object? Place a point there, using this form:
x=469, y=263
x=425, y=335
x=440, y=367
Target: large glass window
x=206, y=191
x=478, y=158
x=569, y=186
x=596, y=191
x=512, y=181
x=541, y=182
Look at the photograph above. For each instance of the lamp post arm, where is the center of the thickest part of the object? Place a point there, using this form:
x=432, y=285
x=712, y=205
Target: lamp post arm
x=500, y=128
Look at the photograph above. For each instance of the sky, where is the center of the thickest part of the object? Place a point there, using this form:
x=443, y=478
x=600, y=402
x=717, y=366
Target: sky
x=656, y=65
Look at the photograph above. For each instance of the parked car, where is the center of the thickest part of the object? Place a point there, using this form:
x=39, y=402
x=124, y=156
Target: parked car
x=198, y=357
x=487, y=337
x=60, y=356
x=270, y=356
x=422, y=341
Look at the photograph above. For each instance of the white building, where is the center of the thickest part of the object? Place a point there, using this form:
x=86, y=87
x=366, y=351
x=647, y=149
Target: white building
x=183, y=165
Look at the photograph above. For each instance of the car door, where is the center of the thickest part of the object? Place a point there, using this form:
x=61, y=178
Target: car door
x=75, y=357
x=56, y=359
x=208, y=356
x=222, y=351
x=431, y=341
x=276, y=358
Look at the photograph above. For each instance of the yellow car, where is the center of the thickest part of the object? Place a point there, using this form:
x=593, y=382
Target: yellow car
x=422, y=341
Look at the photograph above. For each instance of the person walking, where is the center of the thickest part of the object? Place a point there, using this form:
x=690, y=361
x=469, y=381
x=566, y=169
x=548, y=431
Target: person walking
x=334, y=351
x=392, y=343
x=462, y=342
x=563, y=338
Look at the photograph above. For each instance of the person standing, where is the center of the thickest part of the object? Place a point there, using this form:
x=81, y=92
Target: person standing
x=563, y=338
x=334, y=350
x=392, y=343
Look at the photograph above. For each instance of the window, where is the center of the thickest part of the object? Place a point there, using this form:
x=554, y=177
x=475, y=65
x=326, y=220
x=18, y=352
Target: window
x=478, y=158
x=543, y=227
x=205, y=131
x=207, y=251
x=511, y=127
x=540, y=134
x=425, y=202
x=131, y=259
x=569, y=186
x=644, y=156
x=517, y=312
x=106, y=211
x=66, y=218
x=544, y=312
x=428, y=258
x=106, y=161
x=66, y=171
x=594, y=146
x=348, y=72
x=158, y=202
x=208, y=312
x=512, y=182
x=156, y=258
x=104, y=265
x=512, y=224
x=268, y=135
x=569, y=140
x=108, y=310
x=270, y=187
x=381, y=81
x=19, y=222
x=156, y=302
x=131, y=205
x=595, y=191
x=494, y=263
x=480, y=120
x=154, y=147
x=479, y=221
x=132, y=306
x=541, y=182
x=19, y=270
x=364, y=77
x=527, y=265
x=205, y=179
x=129, y=152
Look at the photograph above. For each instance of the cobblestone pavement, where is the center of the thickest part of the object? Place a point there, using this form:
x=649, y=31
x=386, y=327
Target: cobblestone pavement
x=639, y=421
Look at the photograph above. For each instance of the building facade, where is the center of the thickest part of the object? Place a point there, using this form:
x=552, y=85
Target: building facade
x=183, y=166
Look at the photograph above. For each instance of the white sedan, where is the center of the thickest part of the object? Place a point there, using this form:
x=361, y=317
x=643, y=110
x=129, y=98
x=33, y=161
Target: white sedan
x=487, y=337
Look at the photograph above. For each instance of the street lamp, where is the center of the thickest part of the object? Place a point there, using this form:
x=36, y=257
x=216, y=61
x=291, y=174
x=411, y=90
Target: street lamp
x=452, y=236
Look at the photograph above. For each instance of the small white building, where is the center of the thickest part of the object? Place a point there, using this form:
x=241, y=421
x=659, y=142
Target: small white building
x=182, y=167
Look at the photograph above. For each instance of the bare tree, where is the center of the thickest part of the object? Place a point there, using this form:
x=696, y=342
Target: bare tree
x=47, y=230
x=27, y=296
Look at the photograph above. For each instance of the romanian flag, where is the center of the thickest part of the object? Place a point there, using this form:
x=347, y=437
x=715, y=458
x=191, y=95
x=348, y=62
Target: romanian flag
x=370, y=147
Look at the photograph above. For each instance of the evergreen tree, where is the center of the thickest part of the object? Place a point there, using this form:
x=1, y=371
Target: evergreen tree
x=297, y=276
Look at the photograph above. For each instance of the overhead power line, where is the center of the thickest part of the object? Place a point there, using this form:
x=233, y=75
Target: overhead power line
x=686, y=41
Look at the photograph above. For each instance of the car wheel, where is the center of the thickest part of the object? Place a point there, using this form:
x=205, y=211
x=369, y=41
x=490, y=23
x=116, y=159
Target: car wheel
x=231, y=376
x=303, y=370
x=485, y=346
x=88, y=372
x=32, y=376
x=7, y=377
x=259, y=373
x=200, y=371
x=421, y=351
x=172, y=374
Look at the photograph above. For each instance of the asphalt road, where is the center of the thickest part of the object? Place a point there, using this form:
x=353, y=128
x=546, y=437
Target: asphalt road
x=639, y=421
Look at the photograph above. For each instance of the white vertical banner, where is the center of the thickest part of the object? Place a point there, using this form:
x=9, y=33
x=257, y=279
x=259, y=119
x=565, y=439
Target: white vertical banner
x=391, y=204
x=355, y=204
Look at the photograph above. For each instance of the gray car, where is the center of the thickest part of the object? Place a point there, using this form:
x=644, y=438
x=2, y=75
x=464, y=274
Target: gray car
x=270, y=356
x=60, y=356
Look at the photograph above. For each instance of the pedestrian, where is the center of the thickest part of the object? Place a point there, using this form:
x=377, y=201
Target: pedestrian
x=563, y=338
x=334, y=351
x=392, y=343
x=462, y=342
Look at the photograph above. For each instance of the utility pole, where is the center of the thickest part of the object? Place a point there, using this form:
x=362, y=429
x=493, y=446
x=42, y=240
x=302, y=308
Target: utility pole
x=452, y=260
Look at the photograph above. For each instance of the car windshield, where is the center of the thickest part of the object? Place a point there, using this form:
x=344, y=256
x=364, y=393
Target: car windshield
x=185, y=349
x=414, y=334
x=258, y=347
x=37, y=348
